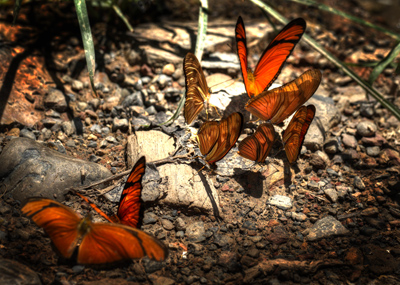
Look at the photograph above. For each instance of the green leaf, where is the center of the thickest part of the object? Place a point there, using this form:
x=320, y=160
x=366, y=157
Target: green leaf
x=87, y=39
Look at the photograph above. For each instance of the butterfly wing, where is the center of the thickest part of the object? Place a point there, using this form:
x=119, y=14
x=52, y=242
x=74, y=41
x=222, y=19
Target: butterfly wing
x=129, y=204
x=277, y=104
x=207, y=136
x=57, y=220
x=274, y=56
x=197, y=92
x=107, y=243
x=229, y=131
x=294, y=134
x=258, y=146
x=240, y=34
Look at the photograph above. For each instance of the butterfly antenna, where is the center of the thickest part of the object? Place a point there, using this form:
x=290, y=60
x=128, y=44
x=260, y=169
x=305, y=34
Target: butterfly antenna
x=97, y=209
x=197, y=172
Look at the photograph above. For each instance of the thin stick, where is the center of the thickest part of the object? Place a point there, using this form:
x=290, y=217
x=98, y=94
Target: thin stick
x=126, y=172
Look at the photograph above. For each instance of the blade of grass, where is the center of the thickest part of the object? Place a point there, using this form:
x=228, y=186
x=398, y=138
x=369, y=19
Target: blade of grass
x=87, y=39
x=347, y=16
x=17, y=7
x=383, y=63
x=122, y=16
x=379, y=97
x=177, y=112
x=202, y=29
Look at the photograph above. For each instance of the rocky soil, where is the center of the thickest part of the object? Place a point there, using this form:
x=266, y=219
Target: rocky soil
x=331, y=218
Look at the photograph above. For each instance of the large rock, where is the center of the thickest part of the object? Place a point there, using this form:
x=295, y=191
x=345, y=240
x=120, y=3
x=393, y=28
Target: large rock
x=187, y=190
x=155, y=145
x=13, y=272
x=176, y=184
x=31, y=169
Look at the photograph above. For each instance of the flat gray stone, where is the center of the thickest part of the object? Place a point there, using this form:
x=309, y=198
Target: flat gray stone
x=282, y=202
x=196, y=232
x=185, y=189
x=30, y=169
x=325, y=228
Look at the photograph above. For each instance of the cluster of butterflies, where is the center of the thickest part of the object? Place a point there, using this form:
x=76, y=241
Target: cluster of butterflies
x=99, y=243
x=215, y=139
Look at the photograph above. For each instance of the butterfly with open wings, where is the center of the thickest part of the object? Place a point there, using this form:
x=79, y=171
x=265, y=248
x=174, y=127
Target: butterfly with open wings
x=100, y=243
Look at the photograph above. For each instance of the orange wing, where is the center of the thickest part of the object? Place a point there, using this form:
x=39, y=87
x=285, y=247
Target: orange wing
x=277, y=104
x=101, y=243
x=274, y=56
x=57, y=220
x=207, y=136
x=107, y=243
x=258, y=146
x=129, y=204
x=229, y=131
x=294, y=134
x=197, y=91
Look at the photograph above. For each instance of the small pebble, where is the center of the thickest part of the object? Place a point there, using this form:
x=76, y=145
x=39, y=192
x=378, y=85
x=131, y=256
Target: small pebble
x=358, y=183
x=349, y=141
x=366, y=129
x=373, y=150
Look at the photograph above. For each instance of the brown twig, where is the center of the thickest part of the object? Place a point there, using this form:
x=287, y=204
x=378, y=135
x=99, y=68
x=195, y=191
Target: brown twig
x=126, y=172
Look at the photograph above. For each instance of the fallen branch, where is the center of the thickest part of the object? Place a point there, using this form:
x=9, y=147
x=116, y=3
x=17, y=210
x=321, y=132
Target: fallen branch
x=306, y=267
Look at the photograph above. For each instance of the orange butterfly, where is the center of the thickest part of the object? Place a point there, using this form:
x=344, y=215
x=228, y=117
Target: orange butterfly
x=197, y=91
x=129, y=204
x=99, y=242
x=216, y=139
x=258, y=146
x=293, y=137
x=277, y=104
x=274, y=56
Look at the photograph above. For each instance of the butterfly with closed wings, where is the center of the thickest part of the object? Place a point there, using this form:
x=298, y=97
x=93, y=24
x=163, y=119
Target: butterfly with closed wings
x=129, y=204
x=215, y=139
